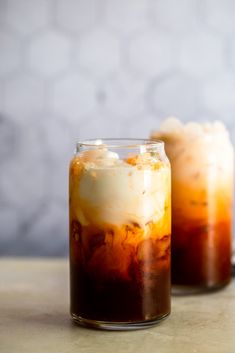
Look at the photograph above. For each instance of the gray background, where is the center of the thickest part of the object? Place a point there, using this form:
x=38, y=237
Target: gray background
x=71, y=69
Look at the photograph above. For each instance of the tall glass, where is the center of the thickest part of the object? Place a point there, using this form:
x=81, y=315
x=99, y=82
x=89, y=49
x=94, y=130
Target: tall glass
x=120, y=225
x=201, y=157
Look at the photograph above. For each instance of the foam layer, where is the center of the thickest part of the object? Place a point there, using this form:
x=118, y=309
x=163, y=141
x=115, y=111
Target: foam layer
x=174, y=126
x=201, y=157
x=197, y=149
x=111, y=190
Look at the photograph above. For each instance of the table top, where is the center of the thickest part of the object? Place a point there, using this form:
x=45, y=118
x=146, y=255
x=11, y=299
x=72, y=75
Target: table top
x=34, y=317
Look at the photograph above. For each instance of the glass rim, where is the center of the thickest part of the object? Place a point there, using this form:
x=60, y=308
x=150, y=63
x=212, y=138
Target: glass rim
x=120, y=142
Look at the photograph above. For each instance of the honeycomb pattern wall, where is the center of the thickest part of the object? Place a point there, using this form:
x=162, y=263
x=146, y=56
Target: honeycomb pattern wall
x=73, y=69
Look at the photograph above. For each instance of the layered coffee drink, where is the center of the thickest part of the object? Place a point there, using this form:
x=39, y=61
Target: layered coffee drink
x=120, y=225
x=201, y=157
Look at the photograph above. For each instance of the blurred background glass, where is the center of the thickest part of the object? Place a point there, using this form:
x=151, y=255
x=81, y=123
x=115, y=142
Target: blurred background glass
x=72, y=69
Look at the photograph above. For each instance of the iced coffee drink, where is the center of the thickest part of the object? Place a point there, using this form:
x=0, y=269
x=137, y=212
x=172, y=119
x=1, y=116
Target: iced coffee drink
x=120, y=225
x=201, y=157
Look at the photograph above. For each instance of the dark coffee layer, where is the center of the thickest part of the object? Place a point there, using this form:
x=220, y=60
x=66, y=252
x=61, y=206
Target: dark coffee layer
x=119, y=282
x=201, y=255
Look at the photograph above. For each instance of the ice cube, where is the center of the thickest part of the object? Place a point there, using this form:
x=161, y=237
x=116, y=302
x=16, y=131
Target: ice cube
x=207, y=126
x=219, y=126
x=171, y=124
x=111, y=155
x=193, y=128
x=98, y=142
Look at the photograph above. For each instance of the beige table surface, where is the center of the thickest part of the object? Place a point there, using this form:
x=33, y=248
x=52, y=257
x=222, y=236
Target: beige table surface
x=34, y=317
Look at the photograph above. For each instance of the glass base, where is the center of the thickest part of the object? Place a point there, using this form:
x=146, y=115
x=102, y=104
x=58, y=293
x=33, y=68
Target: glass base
x=116, y=326
x=178, y=290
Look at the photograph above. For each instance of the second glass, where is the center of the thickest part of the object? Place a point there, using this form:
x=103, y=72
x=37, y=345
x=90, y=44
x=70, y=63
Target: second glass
x=120, y=225
x=201, y=157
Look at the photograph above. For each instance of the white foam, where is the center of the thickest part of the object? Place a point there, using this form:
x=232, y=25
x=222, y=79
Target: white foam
x=122, y=195
x=195, y=147
x=174, y=126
